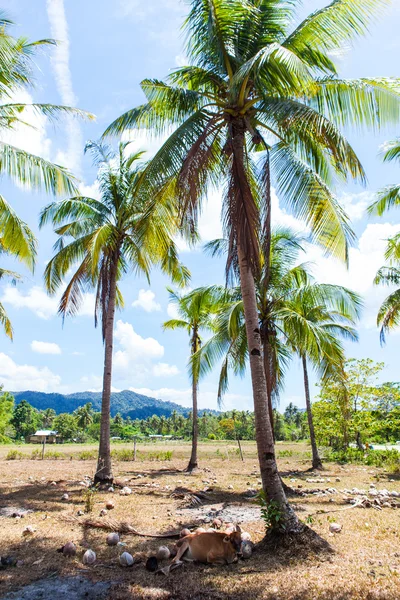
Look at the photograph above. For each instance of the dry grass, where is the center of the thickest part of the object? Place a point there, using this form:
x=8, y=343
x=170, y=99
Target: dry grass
x=364, y=563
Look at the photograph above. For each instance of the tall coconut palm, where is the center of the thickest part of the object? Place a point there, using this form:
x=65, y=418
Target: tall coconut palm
x=257, y=82
x=195, y=315
x=314, y=319
x=104, y=240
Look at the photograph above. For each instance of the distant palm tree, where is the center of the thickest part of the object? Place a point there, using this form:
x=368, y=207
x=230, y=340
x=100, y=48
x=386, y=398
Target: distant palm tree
x=48, y=415
x=107, y=238
x=195, y=310
x=313, y=320
x=84, y=416
x=259, y=82
x=16, y=67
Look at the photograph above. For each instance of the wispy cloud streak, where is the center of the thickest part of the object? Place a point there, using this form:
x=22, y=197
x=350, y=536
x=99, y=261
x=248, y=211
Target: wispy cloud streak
x=60, y=61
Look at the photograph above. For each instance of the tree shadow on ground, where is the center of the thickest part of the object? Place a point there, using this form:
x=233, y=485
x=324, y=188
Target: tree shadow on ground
x=192, y=581
x=42, y=497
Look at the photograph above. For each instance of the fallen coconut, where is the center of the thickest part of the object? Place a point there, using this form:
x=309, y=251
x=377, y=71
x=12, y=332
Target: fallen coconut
x=110, y=489
x=89, y=558
x=217, y=523
x=112, y=539
x=103, y=512
x=69, y=549
x=163, y=553
x=246, y=549
x=126, y=491
x=110, y=505
x=65, y=497
x=184, y=533
x=335, y=528
x=80, y=513
x=126, y=559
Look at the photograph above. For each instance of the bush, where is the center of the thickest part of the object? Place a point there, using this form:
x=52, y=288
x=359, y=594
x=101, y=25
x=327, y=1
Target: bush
x=211, y=436
x=124, y=454
x=15, y=455
x=372, y=458
x=87, y=455
x=167, y=455
x=283, y=453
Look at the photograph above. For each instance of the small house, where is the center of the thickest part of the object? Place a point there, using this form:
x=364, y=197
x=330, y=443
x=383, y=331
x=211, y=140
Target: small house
x=50, y=437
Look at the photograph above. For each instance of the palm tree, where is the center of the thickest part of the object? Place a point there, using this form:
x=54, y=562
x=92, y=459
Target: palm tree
x=48, y=415
x=195, y=311
x=274, y=284
x=294, y=314
x=389, y=197
x=84, y=416
x=257, y=84
x=16, y=65
x=314, y=319
x=106, y=239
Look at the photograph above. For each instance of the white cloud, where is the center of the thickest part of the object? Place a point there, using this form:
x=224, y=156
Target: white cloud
x=165, y=370
x=356, y=205
x=146, y=301
x=31, y=137
x=45, y=347
x=364, y=261
x=42, y=305
x=135, y=358
x=172, y=311
x=26, y=377
x=90, y=191
x=60, y=61
x=35, y=300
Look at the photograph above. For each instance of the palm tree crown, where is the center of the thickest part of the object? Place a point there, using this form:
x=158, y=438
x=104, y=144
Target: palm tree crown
x=16, y=238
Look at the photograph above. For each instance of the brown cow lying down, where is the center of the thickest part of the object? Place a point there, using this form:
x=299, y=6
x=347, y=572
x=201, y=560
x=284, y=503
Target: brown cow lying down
x=213, y=547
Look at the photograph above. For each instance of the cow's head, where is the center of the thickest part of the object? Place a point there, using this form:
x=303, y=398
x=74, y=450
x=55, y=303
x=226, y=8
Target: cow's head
x=235, y=538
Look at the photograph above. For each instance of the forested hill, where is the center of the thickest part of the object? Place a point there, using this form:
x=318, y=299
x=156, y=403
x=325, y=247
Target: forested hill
x=127, y=403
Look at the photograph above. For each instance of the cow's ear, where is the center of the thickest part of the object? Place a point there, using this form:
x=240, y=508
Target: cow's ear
x=238, y=529
x=226, y=539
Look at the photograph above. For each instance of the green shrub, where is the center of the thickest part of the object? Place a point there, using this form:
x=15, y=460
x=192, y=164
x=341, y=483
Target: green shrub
x=87, y=455
x=123, y=454
x=167, y=455
x=372, y=458
x=283, y=453
x=15, y=455
x=211, y=436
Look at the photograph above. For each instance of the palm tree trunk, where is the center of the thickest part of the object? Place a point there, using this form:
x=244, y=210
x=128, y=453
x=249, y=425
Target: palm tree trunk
x=104, y=472
x=316, y=460
x=268, y=375
x=271, y=481
x=195, y=428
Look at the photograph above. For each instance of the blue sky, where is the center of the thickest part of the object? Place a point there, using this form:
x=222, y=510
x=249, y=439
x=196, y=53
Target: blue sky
x=106, y=49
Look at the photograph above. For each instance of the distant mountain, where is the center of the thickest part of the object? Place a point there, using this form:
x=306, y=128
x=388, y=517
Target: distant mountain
x=127, y=403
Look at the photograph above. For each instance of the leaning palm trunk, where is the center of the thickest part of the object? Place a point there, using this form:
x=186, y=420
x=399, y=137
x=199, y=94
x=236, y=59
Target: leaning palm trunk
x=316, y=460
x=195, y=428
x=104, y=472
x=271, y=481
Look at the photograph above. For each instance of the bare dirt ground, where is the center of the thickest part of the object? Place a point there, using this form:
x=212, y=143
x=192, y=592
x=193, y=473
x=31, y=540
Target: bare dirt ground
x=362, y=562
